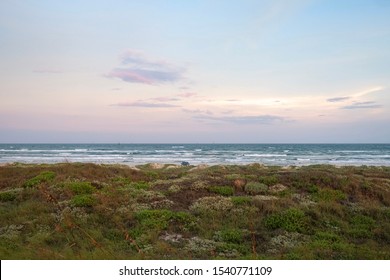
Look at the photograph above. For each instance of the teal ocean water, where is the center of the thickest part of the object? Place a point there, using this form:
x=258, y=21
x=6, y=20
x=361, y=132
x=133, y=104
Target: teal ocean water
x=133, y=154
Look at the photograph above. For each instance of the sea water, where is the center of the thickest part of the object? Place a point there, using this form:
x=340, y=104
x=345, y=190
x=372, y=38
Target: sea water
x=133, y=154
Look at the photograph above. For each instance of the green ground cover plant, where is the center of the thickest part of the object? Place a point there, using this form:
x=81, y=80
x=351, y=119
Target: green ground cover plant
x=91, y=211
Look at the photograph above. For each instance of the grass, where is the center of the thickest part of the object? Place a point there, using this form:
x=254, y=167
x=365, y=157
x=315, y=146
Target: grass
x=88, y=211
x=82, y=200
x=7, y=196
x=222, y=190
x=290, y=220
x=254, y=188
x=81, y=187
x=44, y=176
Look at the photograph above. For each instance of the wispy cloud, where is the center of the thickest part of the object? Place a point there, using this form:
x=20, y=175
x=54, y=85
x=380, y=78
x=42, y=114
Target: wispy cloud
x=232, y=100
x=164, y=99
x=134, y=57
x=198, y=111
x=252, y=120
x=356, y=95
x=362, y=105
x=338, y=99
x=150, y=77
x=368, y=91
x=145, y=104
x=139, y=68
x=156, y=102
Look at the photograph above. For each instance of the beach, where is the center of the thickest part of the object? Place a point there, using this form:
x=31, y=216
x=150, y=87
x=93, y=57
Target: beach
x=170, y=211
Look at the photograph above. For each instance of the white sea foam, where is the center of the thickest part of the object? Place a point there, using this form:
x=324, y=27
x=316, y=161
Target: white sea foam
x=202, y=153
x=265, y=155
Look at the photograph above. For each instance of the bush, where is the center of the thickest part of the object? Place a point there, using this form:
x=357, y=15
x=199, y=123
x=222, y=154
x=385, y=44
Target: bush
x=7, y=196
x=255, y=188
x=329, y=195
x=212, y=204
x=241, y=200
x=232, y=177
x=269, y=180
x=83, y=200
x=312, y=188
x=81, y=187
x=160, y=219
x=225, y=191
x=185, y=218
x=45, y=176
x=122, y=180
x=361, y=226
x=154, y=219
x=291, y=220
x=230, y=236
x=327, y=236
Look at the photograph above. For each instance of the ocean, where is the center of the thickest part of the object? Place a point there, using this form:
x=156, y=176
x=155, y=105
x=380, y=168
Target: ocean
x=134, y=154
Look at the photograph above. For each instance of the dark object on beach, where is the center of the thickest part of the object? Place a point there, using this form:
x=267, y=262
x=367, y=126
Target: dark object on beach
x=185, y=163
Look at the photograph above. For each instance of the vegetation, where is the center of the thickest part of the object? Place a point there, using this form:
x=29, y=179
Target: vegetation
x=82, y=200
x=89, y=211
x=255, y=188
x=44, y=176
x=81, y=187
x=7, y=196
x=222, y=190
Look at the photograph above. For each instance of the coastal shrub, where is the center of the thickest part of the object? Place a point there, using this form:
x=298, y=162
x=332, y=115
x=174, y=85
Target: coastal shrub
x=328, y=236
x=201, y=248
x=232, y=251
x=45, y=176
x=162, y=204
x=81, y=187
x=141, y=185
x=326, y=249
x=152, y=175
x=154, y=219
x=83, y=200
x=268, y=204
x=199, y=185
x=241, y=200
x=135, y=218
x=255, y=188
x=312, y=188
x=145, y=196
x=361, y=226
x=225, y=190
x=231, y=235
x=211, y=204
x=365, y=185
x=232, y=177
x=122, y=180
x=174, y=189
x=269, y=180
x=291, y=220
x=185, y=221
x=161, y=219
x=382, y=234
x=7, y=196
x=329, y=195
x=386, y=213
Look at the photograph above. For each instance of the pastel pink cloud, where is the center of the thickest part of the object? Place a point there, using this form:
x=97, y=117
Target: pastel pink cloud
x=142, y=69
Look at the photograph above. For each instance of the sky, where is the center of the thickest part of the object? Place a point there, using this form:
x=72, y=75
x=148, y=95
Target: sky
x=196, y=71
